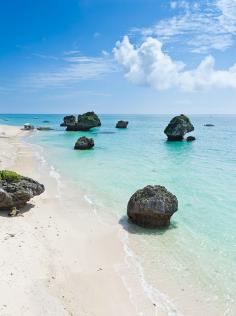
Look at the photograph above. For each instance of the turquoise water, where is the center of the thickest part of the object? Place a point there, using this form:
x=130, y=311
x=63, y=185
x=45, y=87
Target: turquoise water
x=199, y=248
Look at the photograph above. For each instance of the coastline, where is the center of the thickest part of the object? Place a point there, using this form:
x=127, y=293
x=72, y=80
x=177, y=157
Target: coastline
x=59, y=258
x=68, y=258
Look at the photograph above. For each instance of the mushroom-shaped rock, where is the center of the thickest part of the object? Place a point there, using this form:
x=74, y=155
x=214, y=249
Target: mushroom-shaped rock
x=16, y=190
x=190, y=138
x=88, y=120
x=84, y=143
x=178, y=127
x=152, y=207
x=122, y=124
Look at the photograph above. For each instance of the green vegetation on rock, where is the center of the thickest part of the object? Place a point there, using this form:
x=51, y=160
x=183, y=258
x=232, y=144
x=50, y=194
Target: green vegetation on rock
x=11, y=176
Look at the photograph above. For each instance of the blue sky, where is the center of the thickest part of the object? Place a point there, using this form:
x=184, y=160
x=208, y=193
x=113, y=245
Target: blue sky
x=118, y=56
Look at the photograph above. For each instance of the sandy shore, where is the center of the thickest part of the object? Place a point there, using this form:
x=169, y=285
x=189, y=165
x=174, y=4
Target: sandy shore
x=58, y=257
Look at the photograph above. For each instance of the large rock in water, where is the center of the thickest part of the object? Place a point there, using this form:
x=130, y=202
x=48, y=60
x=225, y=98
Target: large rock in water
x=84, y=122
x=16, y=190
x=88, y=120
x=122, y=124
x=84, y=143
x=178, y=127
x=152, y=207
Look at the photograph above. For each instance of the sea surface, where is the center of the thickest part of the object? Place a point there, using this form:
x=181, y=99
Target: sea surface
x=197, y=254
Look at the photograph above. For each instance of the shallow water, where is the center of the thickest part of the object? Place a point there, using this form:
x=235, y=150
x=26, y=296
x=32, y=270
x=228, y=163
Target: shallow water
x=198, y=251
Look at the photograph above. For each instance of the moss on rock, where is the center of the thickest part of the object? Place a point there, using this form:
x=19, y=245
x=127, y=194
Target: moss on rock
x=10, y=176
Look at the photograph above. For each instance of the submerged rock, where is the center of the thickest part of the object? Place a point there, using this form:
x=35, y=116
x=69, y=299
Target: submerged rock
x=190, y=138
x=209, y=125
x=84, y=122
x=44, y=128
x=152, y=207
x=16, y=190
x=178, y=127
x=84, y=143
x=122, y=124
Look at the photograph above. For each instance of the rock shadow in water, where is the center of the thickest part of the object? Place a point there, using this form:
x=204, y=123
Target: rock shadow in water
x=131, y=228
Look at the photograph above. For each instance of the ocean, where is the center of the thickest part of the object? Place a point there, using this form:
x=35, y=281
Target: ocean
x=197, y=254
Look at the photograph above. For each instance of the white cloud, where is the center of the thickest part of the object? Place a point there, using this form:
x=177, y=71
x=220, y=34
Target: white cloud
x=72, y=69
x=201, y=26
x=149, y=65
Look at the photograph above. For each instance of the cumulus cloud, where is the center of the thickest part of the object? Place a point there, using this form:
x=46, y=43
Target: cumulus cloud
x=147, y=64
x=201, y=26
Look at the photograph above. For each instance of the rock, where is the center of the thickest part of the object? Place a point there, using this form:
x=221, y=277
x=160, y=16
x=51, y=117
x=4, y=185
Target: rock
x=44, y=128
x=70, y=123
x=46, y=121
x=190, y=138
x=84, y=122
x=88, y=120
x=209, y=125
x=122, y=124
x=16, y=190
x=84, y=143
x=178, y=127
x=152, y=207
x=28, y=126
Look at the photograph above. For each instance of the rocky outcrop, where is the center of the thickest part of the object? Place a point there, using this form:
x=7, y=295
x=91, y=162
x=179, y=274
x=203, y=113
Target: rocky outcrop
x=190, y=138
x=84, y=122
x=122, y=124
x=87, y=121
x=70, y=123
x=84, y=143
x=178, y=127
x=152, y=207
x=16, y=190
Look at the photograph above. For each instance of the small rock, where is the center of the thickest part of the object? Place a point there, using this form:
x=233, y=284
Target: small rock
x=190, y=138
x=122, y=124
x=84, y=143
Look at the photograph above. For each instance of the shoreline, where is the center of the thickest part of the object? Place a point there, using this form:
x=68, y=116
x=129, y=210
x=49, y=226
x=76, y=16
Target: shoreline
x=85, y=263
x=62, y=259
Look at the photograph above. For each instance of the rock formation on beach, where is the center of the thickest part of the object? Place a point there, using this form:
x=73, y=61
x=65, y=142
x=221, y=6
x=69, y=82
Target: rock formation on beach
x=152, y=207
x=122, y=124
x=178, y=127
x=84, y=122
x=190, y=138
x=16, y=190
x=84, y=143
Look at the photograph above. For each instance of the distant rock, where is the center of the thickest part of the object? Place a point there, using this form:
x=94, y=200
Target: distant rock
x=178, y=127
x=44, y=128
x=28, y=127
x=209, y=125
x=46, y=121
x=152, y=207
x=84, y=122
x=16, y=190
x=84, y=143
x=190, y=138
x=122, y=124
